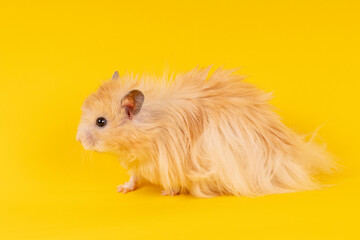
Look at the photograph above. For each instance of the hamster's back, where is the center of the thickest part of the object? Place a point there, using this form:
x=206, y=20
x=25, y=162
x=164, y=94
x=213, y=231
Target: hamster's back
x=221, y=136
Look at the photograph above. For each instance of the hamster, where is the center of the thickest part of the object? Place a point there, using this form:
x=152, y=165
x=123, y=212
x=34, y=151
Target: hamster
x=201, y=134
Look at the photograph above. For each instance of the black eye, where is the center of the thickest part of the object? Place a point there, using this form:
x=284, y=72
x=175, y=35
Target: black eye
x=101, y=122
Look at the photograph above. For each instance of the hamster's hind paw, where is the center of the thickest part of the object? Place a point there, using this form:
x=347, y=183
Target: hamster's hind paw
x=171, y=192
x=125, y=188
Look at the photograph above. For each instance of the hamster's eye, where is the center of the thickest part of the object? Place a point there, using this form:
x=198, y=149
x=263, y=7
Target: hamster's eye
x=101, y=122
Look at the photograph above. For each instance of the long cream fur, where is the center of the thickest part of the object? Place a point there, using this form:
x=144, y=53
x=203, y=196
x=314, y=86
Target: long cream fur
x=203, y=135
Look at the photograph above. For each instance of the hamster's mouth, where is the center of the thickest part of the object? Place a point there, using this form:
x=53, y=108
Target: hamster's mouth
x=96, y=148
x=90, y=144
x=87, y=147
x=91, y=147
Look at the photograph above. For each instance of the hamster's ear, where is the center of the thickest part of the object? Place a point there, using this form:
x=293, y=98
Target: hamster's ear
x=132, y=103
x=115, y=76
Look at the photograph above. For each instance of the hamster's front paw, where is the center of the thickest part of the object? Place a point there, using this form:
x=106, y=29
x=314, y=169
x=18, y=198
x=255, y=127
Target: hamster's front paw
x=125, y=188
x=171, y=192
x=129, y=186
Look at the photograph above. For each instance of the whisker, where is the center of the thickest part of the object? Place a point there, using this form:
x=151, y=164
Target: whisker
x=82, y=162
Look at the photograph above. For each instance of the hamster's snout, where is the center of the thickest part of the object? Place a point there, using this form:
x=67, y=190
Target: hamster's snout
x=86, y=139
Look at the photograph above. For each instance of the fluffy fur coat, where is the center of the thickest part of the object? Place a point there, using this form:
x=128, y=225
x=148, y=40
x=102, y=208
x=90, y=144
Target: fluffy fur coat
x=200, y=134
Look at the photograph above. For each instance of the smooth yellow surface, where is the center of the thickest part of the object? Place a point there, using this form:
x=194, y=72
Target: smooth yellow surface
x=54, y=53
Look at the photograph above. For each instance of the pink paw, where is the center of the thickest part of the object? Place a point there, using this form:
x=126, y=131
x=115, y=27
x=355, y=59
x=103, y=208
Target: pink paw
x=125, y=188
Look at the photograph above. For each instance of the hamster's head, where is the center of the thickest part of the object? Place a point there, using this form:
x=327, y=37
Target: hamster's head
x=108, y=120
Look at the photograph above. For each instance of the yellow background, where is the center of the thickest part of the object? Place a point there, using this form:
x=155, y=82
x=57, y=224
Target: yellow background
x=54, y=53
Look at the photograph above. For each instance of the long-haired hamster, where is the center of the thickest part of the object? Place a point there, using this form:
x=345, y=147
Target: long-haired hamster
x=199, y=133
